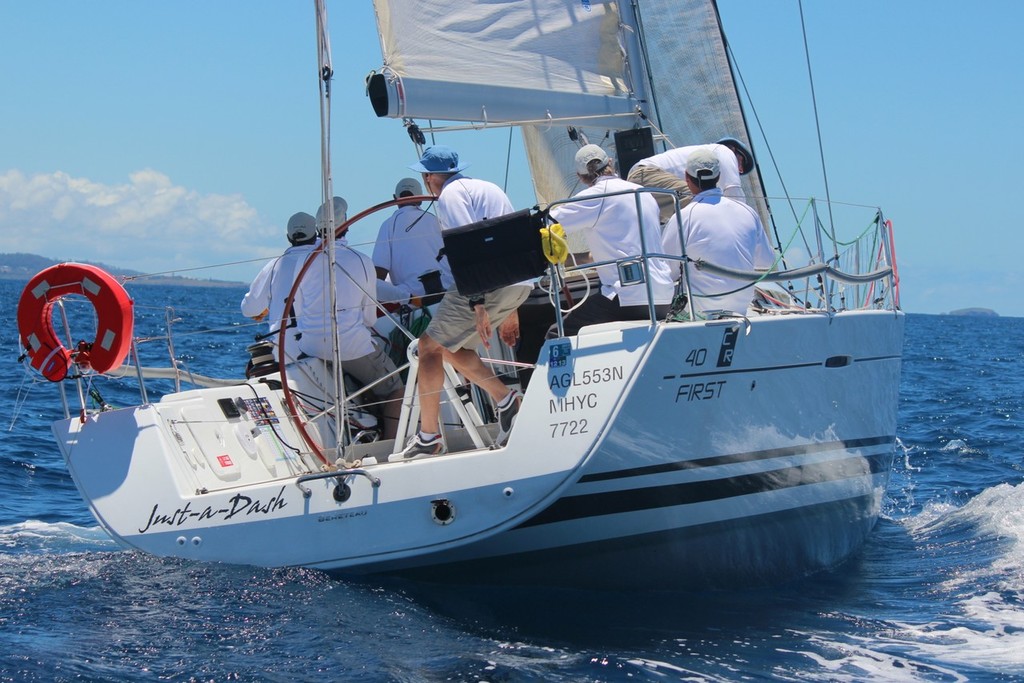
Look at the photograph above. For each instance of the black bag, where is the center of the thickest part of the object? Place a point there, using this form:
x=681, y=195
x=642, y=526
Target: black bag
x=495, y=252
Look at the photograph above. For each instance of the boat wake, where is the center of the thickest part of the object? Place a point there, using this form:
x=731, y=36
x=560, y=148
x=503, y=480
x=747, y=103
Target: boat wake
x=34, y=537
x=991, y=525
x=978, y=550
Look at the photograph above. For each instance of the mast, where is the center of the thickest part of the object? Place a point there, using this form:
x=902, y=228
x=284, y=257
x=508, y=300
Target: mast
x=326, y=73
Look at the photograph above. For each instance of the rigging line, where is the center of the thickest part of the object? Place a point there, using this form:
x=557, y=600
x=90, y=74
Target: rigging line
x=128, y=278
x=645, y=68
x=330, y=234
x=771, y=154
x=508, y=158
x=817, y=121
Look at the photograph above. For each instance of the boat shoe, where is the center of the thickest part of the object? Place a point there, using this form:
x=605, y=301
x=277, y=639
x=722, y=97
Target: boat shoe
x=507, y=418
x=419, y=447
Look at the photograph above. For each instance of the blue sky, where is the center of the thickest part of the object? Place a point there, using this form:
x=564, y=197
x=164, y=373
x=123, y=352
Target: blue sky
x=165, y=136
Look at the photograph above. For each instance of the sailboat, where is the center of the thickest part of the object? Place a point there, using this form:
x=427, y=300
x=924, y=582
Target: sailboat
x=723, y=448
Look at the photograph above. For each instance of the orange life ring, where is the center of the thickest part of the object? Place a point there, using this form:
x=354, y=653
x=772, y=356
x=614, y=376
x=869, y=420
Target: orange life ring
x=114, y=320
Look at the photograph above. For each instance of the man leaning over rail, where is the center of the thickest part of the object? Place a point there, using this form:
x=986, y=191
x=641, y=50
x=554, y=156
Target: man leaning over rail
x=668, y=170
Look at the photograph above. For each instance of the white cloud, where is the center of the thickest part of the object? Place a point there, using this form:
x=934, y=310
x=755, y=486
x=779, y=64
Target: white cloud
x=147, y=224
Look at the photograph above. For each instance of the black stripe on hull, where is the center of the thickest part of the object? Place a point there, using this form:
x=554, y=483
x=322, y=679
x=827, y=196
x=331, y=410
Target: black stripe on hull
x=732, y=458
x=671, y=495
x=773, y=368
x=747, y=552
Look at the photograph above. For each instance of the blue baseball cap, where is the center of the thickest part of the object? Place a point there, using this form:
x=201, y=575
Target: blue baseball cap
x=439, y=159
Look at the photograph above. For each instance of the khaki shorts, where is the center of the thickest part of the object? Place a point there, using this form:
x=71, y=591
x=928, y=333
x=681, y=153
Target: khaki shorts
x=454, y=323
x=371, y=367
x=652, y=176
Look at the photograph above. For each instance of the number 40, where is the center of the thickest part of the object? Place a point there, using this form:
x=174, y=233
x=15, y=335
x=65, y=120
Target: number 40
x=696, y=357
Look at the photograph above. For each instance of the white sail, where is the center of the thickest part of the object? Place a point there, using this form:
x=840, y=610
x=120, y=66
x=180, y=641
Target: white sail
x=487, y=61
x=546, y=65
x=695, y=97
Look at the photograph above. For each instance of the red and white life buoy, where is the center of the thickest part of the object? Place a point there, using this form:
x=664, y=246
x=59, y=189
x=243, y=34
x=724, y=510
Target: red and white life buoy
x=113, y=320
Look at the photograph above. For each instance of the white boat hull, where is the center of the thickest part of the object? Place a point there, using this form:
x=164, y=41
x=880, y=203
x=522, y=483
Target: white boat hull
x=687, y=453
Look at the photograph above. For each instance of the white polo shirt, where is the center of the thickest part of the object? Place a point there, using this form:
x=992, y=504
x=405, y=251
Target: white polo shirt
x=271, y=286
x=407, y=246
x=467, y=200
x=727, y=233
x=356, y=286
x=613, y=231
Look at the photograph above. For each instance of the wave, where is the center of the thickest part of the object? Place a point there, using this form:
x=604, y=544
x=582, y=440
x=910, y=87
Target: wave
x=36, y=537
x=978, y=576
x=994, y=517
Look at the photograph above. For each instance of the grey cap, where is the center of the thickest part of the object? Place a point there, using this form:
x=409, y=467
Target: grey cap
x=587, y=154
x=410, y=185
x=702, y=164
x=340, y=211
x=301, y=227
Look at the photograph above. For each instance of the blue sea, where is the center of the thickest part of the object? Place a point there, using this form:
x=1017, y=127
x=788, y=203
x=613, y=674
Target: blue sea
x=937, y=594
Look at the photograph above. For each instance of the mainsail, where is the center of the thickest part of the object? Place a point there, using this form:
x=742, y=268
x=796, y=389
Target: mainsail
x=502, y=62
x=565, y=71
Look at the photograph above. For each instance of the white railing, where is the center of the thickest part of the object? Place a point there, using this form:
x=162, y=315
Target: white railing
x=819, y=270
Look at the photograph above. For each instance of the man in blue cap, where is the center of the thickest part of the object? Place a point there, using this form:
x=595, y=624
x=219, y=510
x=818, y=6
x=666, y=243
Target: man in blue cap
x=668, y=171
x=462, y=323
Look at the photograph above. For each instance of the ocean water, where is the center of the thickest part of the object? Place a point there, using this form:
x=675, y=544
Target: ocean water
x=937, y=594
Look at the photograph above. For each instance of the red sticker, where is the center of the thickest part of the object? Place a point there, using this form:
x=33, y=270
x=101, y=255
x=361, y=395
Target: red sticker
x=224, y=460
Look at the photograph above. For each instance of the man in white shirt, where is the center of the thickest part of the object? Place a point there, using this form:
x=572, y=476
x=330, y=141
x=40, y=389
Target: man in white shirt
x=668, y=171
x=354, y=315
x=269, y=290
x=408, y=247
x=719, y=230
x=462, y=323
x=614, y=229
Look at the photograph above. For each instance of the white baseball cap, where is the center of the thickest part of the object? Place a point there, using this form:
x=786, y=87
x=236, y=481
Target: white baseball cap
x=588, y=153
x=702, y=164
x=340, y=211
x=410, y=185
x=301, y=227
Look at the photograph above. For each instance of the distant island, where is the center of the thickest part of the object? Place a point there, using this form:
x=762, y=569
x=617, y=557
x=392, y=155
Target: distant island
x=25, y=266
x=983, y=312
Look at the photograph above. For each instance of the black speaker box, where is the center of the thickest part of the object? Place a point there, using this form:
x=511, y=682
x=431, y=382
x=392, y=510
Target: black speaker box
x=631, y=146
x=495, y=252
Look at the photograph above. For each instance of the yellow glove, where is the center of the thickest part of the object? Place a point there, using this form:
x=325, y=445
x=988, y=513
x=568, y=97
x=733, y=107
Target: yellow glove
x=552, y=241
